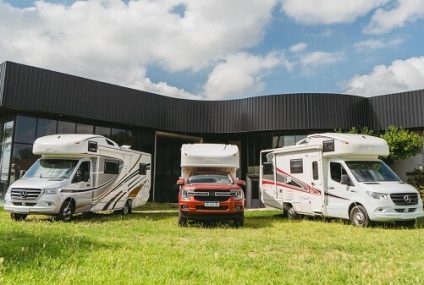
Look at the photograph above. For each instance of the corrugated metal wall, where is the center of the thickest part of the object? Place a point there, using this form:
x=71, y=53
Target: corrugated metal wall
x=404, y=109
x=2, y=73
x=33, y=89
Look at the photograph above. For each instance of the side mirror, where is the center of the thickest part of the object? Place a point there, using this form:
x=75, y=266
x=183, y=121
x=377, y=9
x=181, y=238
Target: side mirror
x=345, y=180
x=181, y=181
x=241, y=182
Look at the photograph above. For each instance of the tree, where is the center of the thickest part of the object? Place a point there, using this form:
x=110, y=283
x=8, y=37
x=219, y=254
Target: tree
x=402, y=143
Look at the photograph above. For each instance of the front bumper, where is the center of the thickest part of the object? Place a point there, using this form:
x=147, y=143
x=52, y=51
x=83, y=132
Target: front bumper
x=396, y=213
x=44, y=206
x=194, y=209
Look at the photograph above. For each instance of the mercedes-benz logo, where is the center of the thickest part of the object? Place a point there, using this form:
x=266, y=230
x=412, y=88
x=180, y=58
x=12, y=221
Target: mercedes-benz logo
x=23, y=194
x=407, y=199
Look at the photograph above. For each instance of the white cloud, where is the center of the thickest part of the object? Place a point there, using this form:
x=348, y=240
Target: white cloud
x=384, y=21
x=401, y=75
x=328, y=11
x=115, y=41
x=320, y=58
x=373, y=44
x=298, y=47
x=239, y=74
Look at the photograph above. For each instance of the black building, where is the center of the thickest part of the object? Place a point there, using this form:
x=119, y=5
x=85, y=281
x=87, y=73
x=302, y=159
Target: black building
x=35, y=102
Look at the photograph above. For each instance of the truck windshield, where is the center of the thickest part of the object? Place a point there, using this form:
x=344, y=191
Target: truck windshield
x=59, y=169
x=371, y=171
x=219, y=178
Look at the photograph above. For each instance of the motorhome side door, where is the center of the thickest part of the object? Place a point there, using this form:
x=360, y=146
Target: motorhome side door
x=81, y=186
x=316, y=182
x=337, y=194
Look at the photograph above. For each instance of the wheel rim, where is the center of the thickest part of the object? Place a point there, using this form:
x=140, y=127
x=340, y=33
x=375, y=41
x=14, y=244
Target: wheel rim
x=359, y=218
x=67, y=211
x=126, y=208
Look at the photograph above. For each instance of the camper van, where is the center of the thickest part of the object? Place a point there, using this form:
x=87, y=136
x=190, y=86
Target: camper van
x=209, y=188
x=337, y=175
x=80, y=174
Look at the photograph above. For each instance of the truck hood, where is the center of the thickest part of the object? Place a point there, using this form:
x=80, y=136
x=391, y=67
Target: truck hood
x=38, y=183
x=210, y=186
x=388, y=187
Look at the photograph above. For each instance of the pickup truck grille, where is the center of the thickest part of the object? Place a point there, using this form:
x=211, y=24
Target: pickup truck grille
x=404, y=199
x=213, y=196
x=25, y=194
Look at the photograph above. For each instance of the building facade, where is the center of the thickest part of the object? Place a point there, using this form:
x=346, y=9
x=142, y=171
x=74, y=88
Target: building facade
x=35, y=102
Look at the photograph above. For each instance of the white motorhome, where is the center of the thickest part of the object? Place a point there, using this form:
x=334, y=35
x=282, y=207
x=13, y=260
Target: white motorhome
x=80, y=174
x=337, y=175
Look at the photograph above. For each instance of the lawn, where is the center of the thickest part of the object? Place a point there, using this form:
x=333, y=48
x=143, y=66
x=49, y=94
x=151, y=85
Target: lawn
x=149, y=248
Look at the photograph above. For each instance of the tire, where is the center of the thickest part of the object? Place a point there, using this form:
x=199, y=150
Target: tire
x=127, y=208
x=291, y=213
x=182, y=220
x=358, y=217
x=66, y=211
x=407, y=224
x=239, y=222
x=18, y=217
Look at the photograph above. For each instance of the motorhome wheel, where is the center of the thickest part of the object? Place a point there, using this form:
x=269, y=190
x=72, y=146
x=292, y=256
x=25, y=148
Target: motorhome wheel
x=239, y=222
x=359, y=216
x=66, y=211
x=291, y=213
x=127, y=208
x=182, y=220
x=18, y=217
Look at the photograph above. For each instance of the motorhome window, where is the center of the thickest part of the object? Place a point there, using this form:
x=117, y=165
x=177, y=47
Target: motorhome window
x=53, y=169
x=336, y=171
x=92, y=146
x=328, y=146
x=371, y=171
x=109, y=142
x=296, y=166
x=111, y=167
x=315, y=170
x=267, y=168
x=219, y=178
x=83, y=173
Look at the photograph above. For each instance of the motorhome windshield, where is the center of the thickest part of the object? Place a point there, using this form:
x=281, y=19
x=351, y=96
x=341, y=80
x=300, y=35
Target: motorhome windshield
x=371, y=171
x=59, y=169
x=219, y=178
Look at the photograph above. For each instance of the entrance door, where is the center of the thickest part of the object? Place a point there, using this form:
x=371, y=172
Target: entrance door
x=168, y=165
x=338, y=195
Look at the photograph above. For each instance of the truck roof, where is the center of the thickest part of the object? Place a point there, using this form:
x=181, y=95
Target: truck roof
x=210, y=155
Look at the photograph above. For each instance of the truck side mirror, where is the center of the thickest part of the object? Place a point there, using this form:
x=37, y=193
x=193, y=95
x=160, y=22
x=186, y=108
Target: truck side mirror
x=180, y=182
x=241, y=182
x=345, y=180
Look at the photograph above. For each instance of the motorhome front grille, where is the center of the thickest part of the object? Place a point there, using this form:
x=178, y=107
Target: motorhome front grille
x=404, y=199
x=214, y=196
x=25, y=193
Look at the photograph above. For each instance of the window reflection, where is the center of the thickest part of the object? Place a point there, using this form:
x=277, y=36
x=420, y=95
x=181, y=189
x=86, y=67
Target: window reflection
x=84, y=129
x=25, y=129
x=22, y=159
x=122, y=136
x=103, y=131
x=6, y=147
x=65, y=127
x=46, y=127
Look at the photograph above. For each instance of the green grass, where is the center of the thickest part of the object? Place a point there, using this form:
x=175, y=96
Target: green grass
x=149, y=248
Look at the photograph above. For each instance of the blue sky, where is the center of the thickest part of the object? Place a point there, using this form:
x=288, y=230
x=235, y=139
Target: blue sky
x=219, y=50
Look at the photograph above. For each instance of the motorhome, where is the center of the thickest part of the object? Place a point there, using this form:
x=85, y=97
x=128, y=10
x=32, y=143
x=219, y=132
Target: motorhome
x=209, y=188
x=80, y=174
x=337, y=175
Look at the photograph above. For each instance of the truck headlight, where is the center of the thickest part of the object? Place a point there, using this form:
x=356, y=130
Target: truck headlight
x=377, y=195
x=239, y=194
x=51, y=191
x=184, y=195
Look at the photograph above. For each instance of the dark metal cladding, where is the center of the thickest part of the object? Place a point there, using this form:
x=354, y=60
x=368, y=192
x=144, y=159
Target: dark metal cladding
x=404, y=109
x=2, y=74
x=31, y=89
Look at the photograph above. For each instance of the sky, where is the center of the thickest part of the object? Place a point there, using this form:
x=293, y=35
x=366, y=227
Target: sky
x=220, y=49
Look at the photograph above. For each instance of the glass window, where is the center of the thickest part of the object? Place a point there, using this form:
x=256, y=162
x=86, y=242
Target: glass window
x=25, y=129
x=121, y=137
x=84, y=129
x=46, y=127
x=371, y=171
x=65, y=127
x=83, y=173
x=22, y=159
x=57, y=169
x=282, y=141
x=220, y=178
x=103, y=131
x=315, y=170
x=6, y=148
x=336, y=171
x=296, y=165
x=111, y=167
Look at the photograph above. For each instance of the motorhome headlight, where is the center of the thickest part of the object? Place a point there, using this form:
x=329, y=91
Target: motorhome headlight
x=238, y=194
x=51, y=191
x=377, y=195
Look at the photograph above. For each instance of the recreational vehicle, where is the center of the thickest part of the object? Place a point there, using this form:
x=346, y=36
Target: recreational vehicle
x=80, y=174
x=209, y=188
x=337, y=175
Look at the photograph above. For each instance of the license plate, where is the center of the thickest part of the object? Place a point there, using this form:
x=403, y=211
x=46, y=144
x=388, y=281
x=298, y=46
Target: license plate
x=211, y=204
